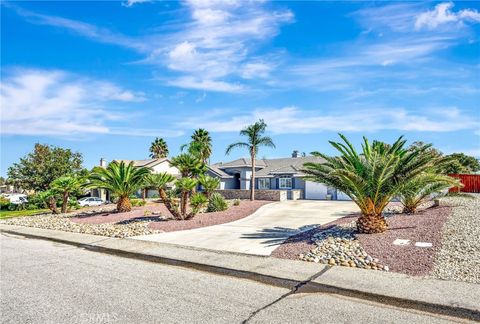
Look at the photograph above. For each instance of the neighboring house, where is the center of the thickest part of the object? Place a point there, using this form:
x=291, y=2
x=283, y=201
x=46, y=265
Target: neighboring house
x=155, y=165
x=273, y=174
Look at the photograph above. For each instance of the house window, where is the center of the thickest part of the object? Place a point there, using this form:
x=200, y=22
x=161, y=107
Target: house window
x=285, y=183
x=263, y=183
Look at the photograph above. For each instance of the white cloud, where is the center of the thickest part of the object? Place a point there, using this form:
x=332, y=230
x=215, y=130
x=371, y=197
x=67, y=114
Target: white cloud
x=46, y=102
x=87, y=30
x=212, y=46
x=442, y=14
x=206, y=84
x=292, y=120
x=130, y=3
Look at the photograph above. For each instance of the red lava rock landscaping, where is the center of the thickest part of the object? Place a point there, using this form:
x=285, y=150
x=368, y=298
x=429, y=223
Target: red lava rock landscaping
x=233, y=213
x=425, y=226
x=163, y=222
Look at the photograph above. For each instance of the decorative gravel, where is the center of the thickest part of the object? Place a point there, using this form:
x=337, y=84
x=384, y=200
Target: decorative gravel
x=144, y=220
x=338, y=241
x=339, y=246
x=62, y=222
x=459, y=256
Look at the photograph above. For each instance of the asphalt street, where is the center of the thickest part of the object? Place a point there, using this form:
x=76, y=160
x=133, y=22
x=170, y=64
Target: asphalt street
x=47, y=282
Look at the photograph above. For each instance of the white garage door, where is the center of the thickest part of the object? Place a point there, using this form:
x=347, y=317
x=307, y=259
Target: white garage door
x=315, y=190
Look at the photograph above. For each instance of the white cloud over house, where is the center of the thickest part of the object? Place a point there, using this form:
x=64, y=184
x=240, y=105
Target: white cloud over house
x=293, y=120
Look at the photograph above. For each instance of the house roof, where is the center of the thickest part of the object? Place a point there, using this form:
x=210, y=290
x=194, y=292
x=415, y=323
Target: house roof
x=144, y=163
x=218, y=172
x=270, y=167
x=242, y=162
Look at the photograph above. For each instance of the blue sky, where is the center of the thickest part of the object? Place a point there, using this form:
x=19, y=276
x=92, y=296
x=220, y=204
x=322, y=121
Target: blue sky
x=105, y=78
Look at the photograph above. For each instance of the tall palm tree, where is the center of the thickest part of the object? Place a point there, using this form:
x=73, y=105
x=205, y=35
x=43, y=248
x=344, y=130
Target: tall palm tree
x=65, y=186
x=160, y=181
x=200, y=146
x=158, y=149
x=121, y=179
x=255, y=140
x=370, y=178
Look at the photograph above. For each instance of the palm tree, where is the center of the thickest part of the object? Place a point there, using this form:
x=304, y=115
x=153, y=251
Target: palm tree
x=209, y=184
x=65, y=186
x=371, y=179
x=416, y=191
x=49, y=199
x=189, y=165
x=186, y=185
x=158, y=149
x=254, y=141
x=160, y=181
x=121, y=179
x=200, y=146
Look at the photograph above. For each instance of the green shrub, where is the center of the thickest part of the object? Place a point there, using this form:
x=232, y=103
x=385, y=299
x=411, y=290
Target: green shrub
x=14, y=207
x=236, y=202
x=32, y=207
x=138, y=202
x=73, y=203
x=217, y=203
x=4, y=203
x=154, y=196
x=198, y=201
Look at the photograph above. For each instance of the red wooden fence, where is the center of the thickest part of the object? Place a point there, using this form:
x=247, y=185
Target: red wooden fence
x=471, y=182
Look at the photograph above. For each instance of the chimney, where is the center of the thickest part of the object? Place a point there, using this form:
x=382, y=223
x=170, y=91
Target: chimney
x=295, y=154
x=103, y=163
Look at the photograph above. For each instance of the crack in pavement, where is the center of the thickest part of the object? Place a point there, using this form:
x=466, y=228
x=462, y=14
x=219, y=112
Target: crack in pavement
x=291, y=292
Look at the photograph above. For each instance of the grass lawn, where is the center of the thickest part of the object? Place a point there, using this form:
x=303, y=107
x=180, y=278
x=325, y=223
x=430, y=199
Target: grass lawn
x=17, y=213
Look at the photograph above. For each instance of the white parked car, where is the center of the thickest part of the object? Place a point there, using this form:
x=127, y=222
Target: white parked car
x=16, y=199
x=91, y=201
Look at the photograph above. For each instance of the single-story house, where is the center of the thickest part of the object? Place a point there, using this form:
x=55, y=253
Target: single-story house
x=159, y=165
x=273, y=174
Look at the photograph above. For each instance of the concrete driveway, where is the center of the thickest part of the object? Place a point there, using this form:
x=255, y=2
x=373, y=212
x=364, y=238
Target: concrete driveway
x=261, y=232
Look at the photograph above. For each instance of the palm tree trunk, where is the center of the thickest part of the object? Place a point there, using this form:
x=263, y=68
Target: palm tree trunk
x=124, y=205
x=168, y=203
x=65, y=202
x=52, y=205
x=252, y=180
x=371, y=223
x=184, y=204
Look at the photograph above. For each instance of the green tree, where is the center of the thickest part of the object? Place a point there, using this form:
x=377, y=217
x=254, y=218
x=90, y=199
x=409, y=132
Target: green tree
x=65, y=186
x=121, y=179
x=419, y=189
x=49, y=199
x=186, y=185
x=200, y=146
x=255, y=140
x=158, y=148
x=370, y=178
x=209, y=184
x=46, y=163
x=461, y=163
x=189, y=165
x=160, y=181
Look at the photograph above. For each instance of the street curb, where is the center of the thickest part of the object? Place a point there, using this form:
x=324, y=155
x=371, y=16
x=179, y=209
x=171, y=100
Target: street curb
x=455, y=299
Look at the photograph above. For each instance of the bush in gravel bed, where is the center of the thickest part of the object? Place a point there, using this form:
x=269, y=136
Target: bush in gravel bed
x=371, y=177
x=217, y=203
x=236, y=202
x=198, y=201
x=138, y=202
